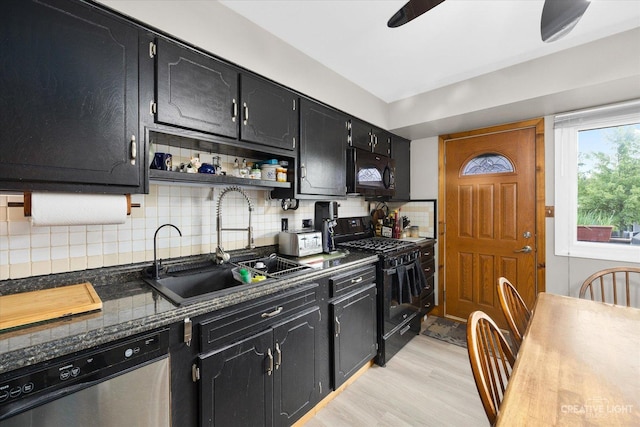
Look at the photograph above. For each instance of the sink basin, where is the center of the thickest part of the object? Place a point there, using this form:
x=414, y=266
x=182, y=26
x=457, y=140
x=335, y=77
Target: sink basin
x=198, y=286
x=273, y=266
x=185, y=285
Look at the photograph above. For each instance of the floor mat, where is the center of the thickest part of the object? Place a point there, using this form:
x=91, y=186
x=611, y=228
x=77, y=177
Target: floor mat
x=446, y=330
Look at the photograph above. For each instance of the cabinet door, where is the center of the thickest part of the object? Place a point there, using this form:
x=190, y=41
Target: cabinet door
x=354, y=333
x=323, y=137
x=235, y=387
x=69, y=103
x=382, y=142
x=269, y=113
x=195, y=91
x=296, y=373
x=361, y=134
x=401, y=153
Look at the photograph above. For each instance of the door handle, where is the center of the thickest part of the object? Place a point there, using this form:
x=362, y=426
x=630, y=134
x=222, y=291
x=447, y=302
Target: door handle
x=278, y=353
x=524, y=250
x=270, y=362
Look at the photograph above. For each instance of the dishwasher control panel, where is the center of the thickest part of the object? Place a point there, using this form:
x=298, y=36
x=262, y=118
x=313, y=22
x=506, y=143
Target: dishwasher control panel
x=72, y=373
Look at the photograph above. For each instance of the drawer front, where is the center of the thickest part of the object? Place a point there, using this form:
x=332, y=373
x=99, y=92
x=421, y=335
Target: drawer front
x=429, y=267
x=237, y=323
x=347, y=282
x=427, y=302
x=427, y=252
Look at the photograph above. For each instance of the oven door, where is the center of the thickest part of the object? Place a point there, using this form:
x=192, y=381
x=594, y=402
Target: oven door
x=370, y=174
x=399, y=296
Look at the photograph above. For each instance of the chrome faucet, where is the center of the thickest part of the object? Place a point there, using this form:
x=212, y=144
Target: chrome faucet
x=156, y=261
x=221, y=255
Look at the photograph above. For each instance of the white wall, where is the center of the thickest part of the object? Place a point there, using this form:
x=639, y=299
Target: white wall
x=597, y=73
x=217, y=29
x=424, y=168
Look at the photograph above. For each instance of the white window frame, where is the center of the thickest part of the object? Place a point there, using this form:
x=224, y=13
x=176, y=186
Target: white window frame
x=566, y=128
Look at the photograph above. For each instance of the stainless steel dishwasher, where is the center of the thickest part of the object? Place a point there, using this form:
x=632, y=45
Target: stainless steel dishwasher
x=124, y=384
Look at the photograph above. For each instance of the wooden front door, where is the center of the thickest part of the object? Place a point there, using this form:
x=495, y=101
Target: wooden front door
x=490, y=217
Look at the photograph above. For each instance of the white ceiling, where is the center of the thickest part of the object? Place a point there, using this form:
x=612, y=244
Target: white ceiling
x=457, y=40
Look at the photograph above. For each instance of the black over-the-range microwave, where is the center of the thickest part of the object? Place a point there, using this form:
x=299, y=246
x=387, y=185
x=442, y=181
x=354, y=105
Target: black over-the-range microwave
x=370, y=174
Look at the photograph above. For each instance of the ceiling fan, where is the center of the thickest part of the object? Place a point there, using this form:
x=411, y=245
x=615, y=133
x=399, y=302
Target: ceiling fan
x=558, y=16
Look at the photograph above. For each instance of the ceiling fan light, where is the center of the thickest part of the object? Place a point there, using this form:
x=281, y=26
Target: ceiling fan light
x=559, y=17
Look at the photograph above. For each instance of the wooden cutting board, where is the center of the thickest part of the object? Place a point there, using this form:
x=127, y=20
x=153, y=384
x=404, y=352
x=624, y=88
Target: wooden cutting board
x=37, y=306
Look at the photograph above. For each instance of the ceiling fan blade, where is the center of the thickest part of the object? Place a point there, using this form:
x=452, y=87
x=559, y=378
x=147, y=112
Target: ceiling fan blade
x=411, y=10
x=559, y=17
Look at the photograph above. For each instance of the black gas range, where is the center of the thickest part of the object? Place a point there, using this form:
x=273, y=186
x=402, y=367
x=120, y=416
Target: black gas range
x=400, y=281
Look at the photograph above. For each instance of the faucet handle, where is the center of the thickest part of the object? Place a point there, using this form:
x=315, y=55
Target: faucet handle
x=221, y=255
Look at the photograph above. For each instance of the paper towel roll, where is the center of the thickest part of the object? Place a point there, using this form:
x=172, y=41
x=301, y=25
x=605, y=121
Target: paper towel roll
x=77, y=209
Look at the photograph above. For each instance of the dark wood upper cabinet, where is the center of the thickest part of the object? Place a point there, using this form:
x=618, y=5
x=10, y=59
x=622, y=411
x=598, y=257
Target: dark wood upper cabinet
x=269, y=113
x=195, y=91
x=69, y=103
x=323, y=143
x=401, y=153
x=368, y=137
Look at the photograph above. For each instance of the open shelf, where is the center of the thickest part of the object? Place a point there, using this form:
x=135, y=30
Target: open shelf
x=209, y=179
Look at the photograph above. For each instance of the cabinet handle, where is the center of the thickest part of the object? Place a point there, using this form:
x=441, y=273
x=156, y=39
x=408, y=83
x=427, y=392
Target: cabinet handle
x=303, y=171
x=234, y=111
x=245, y=109
x=337, y=326
x=273, y=313
x=134, y=149
x=278, y=356
x=270, y=362
x=426, y=253
x=358, y=280
x=405, y=329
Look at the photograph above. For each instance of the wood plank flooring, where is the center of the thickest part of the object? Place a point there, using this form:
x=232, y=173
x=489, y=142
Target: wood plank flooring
x=428, y=383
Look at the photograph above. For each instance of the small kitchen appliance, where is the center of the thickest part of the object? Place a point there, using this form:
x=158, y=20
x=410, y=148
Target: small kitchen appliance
x=300, y=243
x=326, y=216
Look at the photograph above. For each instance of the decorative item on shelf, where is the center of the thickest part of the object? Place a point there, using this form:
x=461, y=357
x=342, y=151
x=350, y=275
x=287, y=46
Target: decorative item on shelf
x=161, y=161
x=269, y=170
x=217, y=164
x=244, y=170
x=281, y=171
x=207, y=168
x=255, y=172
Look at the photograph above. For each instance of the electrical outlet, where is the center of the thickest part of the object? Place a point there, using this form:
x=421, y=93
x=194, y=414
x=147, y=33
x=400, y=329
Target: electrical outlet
x=307, y=223
x=284, y=224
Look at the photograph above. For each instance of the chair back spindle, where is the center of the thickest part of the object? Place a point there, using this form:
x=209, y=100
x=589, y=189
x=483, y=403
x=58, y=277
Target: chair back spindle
x=491, y=361
x=617, y=285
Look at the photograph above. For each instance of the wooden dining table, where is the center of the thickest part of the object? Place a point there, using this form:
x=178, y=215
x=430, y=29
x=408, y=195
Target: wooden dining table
x=579, y=365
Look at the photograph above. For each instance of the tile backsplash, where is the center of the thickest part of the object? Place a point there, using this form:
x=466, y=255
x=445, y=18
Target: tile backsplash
x=27, y=250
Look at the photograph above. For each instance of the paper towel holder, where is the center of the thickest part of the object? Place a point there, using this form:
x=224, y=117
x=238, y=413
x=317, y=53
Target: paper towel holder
x=27, y=204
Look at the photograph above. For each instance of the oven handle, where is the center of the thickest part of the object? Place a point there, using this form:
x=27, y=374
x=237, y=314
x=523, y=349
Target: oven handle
x=392, y=271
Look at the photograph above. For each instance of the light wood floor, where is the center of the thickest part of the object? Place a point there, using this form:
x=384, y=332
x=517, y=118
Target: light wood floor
x=428, y=383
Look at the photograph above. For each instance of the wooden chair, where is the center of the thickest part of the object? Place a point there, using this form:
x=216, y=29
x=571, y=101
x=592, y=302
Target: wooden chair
x=491, y=361
x=515, y=310
x=612, y=284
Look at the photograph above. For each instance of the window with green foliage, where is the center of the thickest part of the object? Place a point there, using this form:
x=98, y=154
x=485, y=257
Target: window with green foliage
x=598, y=183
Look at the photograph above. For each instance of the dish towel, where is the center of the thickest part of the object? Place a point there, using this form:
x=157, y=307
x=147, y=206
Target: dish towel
x=401, y=288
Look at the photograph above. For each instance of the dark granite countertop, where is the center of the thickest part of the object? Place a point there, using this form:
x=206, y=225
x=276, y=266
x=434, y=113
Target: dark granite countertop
x=130, y=306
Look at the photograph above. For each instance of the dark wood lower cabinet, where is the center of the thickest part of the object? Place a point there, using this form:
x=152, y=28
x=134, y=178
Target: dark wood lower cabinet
x=269, y=378
x=354, y=332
